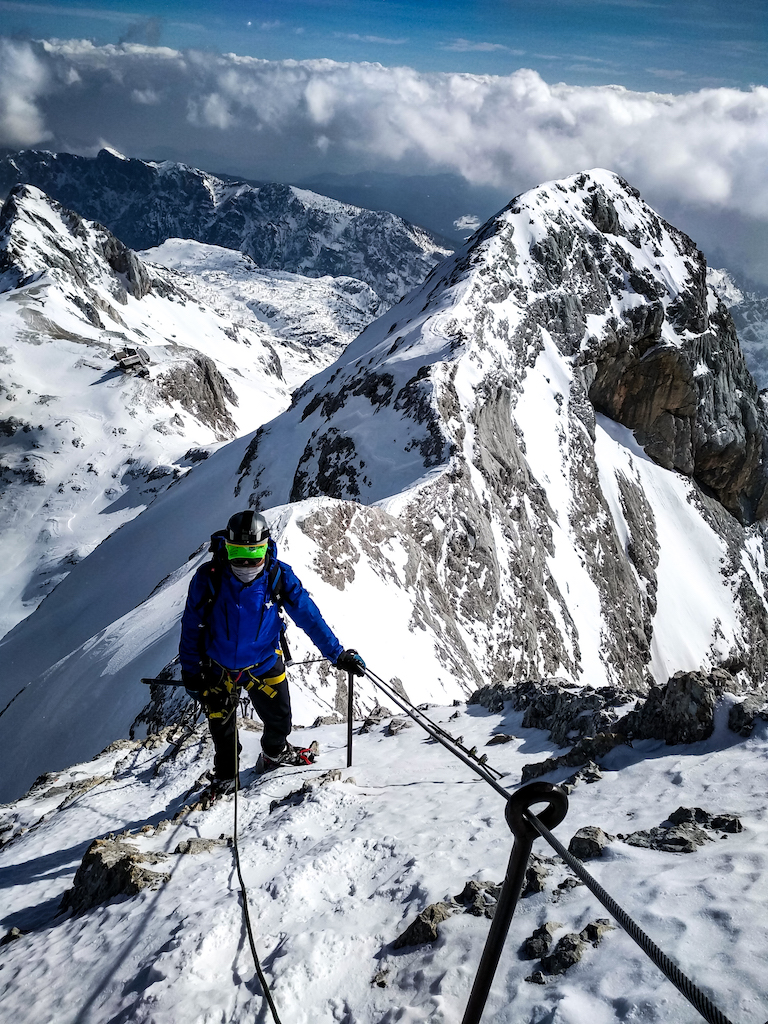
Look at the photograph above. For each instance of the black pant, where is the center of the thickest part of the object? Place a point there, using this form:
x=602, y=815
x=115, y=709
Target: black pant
x=271, y=701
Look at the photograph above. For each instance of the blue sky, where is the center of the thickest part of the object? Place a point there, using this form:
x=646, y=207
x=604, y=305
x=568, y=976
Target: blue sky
x=641, y=44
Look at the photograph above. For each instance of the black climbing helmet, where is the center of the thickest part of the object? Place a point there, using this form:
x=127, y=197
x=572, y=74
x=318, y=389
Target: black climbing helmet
x=247, y=528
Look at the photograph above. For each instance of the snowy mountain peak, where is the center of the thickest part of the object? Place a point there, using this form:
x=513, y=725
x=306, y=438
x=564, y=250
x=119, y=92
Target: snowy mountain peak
x=38, y=235
x=476, y=403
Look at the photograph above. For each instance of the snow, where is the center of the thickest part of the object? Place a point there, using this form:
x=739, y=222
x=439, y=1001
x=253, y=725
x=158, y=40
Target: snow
x=695, y=601
x=334, y=878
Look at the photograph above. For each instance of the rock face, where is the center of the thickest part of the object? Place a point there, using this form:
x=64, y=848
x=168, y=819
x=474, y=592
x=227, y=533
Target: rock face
x=279, y=226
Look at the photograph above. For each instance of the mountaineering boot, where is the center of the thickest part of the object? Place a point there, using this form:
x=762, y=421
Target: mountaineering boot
x=289, y=755
x=223, y=787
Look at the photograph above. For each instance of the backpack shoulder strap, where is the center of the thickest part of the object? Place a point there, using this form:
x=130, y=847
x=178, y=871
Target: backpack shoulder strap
x=276, y=583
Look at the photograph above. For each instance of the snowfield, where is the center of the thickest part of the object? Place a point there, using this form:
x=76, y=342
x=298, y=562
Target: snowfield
x=335, y=874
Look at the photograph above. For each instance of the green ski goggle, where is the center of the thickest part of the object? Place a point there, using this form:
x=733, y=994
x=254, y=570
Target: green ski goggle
x=251, y=551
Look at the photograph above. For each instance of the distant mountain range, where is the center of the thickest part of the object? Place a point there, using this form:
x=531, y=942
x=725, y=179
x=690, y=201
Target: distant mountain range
x=280, y=227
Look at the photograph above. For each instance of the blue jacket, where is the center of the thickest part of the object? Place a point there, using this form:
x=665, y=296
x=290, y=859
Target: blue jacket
x=243, y=626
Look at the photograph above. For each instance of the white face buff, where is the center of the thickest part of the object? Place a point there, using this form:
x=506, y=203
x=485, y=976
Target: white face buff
x=248, y=573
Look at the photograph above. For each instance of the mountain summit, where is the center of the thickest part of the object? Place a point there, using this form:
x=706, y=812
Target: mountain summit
x=482, y=401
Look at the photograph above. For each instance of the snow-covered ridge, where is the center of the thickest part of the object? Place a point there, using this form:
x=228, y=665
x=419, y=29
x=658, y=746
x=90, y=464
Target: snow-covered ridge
x=337, y=870
x=279, y=226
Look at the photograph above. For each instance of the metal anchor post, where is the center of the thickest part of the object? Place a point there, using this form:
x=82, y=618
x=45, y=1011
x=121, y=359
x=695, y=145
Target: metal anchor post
x=524, y=833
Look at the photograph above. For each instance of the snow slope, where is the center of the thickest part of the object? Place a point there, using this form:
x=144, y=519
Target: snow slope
x=83, y=446
x=335, y=874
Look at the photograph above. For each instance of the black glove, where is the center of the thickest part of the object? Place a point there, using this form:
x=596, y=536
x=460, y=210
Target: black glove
x=350, y=661
x=193, y=683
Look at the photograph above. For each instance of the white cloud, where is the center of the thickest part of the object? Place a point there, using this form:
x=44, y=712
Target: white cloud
x=23, y=80
x=290, y=119
x=469, y=222
x=369, y=39
x=467, y=46
x=148, y=97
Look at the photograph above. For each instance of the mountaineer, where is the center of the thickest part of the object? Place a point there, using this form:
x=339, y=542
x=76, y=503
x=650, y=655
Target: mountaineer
x=232, y=637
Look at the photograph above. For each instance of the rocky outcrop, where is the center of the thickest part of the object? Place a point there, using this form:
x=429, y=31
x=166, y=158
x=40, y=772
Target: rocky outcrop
x=683, y=711
x=203, y=391
x=569, y=950
x=424, y=929
x=110, y=868
x=589, y=842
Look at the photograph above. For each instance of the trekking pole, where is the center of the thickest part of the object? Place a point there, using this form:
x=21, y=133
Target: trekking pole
x=524, y=833
x=350, y=695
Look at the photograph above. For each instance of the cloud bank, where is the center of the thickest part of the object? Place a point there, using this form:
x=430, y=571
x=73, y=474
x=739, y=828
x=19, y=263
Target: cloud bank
x=291, y=119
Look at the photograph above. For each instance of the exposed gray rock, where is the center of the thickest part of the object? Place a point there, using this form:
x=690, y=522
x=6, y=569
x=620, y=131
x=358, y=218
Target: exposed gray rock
x=75, y=788
x=201, y=389
x=595, y=930
x=11, y=936
x=684, y=831
x=539, y=868
x=479, y=898
x=334, y=719
x=110, y=868
x=397, y=725
x=375, y=717
x=581, y=753
x=682, y=711
x=568, y=951
x=199, y=845
x=589, y=774
x=697, y=815
x=308, y=787
x=499, y=737
x=539, y=943
x=589, y=843
x=742, y=716
x=685, y=838
x=425, y=928
x=569, y=712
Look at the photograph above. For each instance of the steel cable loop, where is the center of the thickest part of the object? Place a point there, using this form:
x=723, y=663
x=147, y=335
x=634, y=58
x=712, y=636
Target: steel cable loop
x=682, y=982
x=435, y=732
x=244, y=893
